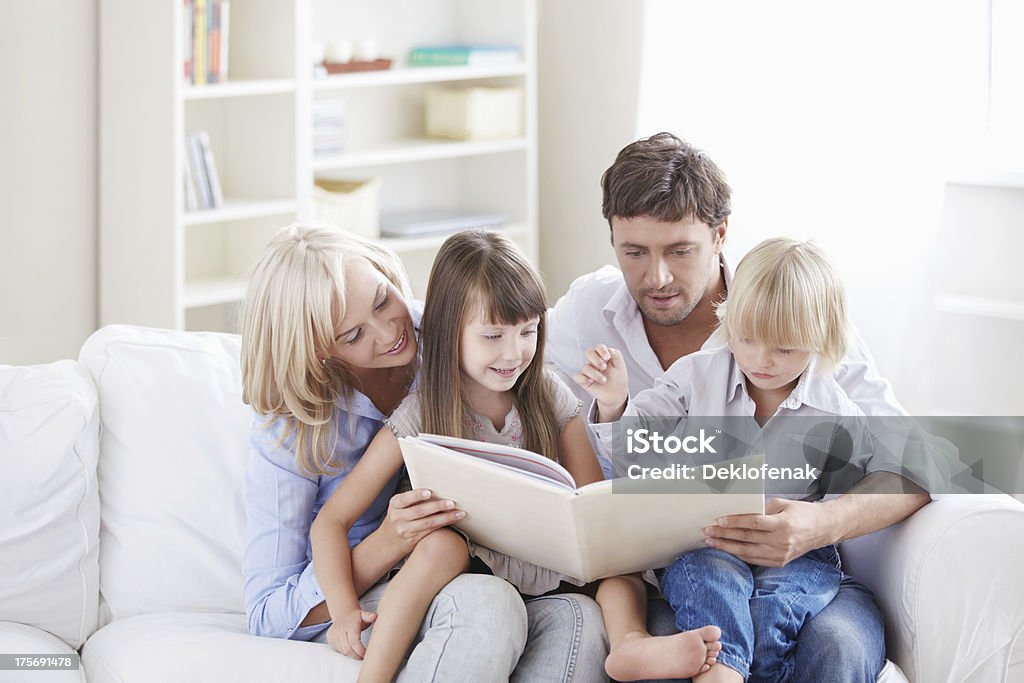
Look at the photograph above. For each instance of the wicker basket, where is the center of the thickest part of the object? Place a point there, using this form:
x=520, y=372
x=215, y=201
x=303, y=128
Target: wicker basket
x=352, y=205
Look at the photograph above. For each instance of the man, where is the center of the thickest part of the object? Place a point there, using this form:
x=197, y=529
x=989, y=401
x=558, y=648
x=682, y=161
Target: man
x=668, y=207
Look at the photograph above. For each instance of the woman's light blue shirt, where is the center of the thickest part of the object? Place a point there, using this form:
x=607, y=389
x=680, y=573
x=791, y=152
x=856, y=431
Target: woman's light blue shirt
x=281, y=503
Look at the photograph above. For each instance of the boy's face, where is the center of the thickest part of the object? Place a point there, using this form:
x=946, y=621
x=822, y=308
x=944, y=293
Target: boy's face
x=668, y=267
x=769, y=368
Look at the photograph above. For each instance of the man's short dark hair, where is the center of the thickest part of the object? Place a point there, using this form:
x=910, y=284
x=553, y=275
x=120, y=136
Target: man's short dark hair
x=667, y=179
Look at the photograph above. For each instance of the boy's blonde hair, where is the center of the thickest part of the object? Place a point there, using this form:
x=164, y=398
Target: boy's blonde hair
x=296, y=294
x=786, y=294
x=479, y=270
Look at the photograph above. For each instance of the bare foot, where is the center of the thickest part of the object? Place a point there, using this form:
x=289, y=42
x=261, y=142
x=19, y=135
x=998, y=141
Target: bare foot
x=639, y=655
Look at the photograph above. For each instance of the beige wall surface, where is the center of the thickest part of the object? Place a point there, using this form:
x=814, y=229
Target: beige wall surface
x=590, y=55
x=48, y=170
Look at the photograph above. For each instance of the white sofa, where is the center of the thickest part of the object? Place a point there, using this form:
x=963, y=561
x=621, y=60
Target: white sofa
x=122, y=528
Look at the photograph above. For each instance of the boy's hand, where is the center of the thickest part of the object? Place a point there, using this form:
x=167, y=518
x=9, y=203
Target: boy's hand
x=605, y=378
x=344, y=634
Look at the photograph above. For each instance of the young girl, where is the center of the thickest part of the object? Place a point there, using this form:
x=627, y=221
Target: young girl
x=483, y=377
x=785, y=328
x=330, y=345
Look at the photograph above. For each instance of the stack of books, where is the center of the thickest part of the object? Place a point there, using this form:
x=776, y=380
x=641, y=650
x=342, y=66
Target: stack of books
x=328, y=127
x=202, y=184
x=464, y=55
x=205, y=35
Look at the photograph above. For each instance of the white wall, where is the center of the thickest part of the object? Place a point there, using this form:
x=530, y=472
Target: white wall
x=833, y=123
x=48, y=171
x=589, y=79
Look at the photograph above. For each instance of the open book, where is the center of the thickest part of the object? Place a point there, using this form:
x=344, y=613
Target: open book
x=528, y=506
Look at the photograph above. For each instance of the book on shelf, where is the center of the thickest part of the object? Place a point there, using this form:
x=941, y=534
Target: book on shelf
x=188, y=25
x=528, y=506
x=205, y=37
x=464, y=55
x=199, y=39
x=195, y=158
x=202, y=169
x=212, y=177
x=191, y=198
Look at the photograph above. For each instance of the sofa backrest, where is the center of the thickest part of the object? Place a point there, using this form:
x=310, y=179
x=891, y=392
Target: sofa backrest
x=173, y=449
x=49, y=506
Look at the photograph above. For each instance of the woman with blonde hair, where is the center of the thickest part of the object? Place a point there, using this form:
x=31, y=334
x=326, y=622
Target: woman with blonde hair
x=330, y=346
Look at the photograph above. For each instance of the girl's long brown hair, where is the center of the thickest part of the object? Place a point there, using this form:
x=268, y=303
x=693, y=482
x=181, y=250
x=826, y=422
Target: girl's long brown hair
x=479, y=269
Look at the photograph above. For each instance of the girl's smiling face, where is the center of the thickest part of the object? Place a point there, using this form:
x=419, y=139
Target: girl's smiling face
x=493, y=356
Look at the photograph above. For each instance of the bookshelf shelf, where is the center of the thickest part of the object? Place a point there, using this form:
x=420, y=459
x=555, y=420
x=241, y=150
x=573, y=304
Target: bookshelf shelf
x=274, y=86
x=408, y=76
x=407, y=151
x=165, y=266
x=236, y=210
x=988, y=307
x=214, y=291
x=433, y=242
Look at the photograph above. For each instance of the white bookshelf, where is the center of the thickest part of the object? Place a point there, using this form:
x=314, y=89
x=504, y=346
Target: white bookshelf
x=978, y=298
x=985, y=307
x=163, y=266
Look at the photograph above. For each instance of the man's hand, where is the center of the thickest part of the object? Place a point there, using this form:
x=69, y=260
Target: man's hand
x=414, y=514
x=344, y=635
x=787, y=530
x=605, y=378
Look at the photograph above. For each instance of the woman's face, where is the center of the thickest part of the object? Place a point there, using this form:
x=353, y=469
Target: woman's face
x=377, y=330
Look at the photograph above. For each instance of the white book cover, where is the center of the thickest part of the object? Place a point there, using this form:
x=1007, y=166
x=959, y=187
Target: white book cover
x=529, y=507
x=212, y=177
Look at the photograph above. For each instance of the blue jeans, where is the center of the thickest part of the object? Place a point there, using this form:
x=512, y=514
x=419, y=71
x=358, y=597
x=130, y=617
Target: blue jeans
x=845, y=643
x=759, y=609
x=478, y=628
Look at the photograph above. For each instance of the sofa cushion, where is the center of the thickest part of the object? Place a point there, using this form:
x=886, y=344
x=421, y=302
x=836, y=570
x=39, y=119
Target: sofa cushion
x=27, y=640
x=167, y=648
x=49, y=506
x=174, y=445
x=948, y=582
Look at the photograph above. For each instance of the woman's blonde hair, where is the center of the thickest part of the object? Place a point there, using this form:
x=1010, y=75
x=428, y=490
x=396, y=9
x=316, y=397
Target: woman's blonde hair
x=786, y=294
x=479, y=271
x=296, y=294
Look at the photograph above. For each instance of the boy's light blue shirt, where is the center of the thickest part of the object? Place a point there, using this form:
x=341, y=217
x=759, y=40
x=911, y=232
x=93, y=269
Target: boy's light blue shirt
x=281, y=503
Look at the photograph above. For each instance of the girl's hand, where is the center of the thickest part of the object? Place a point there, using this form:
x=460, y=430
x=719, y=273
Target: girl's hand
x=605, y=378
x=414, y=514
x=344, y=635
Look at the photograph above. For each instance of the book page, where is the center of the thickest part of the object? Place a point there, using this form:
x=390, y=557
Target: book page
x=516, y=458
x=506, y=510
x=620, y=533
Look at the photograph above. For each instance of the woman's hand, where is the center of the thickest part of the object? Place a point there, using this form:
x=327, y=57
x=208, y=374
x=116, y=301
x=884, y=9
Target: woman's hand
x=414, y=514
x=605, y=378
x=344, y=635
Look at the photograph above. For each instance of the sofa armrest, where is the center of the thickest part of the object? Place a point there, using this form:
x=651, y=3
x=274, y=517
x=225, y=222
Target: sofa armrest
x=948, y=580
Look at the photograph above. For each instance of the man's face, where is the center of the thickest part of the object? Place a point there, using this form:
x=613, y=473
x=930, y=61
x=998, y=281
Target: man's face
x=668, y=267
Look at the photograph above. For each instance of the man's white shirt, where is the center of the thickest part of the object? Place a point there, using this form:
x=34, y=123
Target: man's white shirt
x=598, y=309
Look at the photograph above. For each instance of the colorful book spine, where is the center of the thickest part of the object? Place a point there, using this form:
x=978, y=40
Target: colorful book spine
x=187, y=19
x=213, y=49
x=199, y=43
x=463, y=55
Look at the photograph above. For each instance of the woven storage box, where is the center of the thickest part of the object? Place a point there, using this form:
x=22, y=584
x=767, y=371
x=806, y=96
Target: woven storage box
x=474, y=113
x=352, y=205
